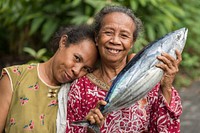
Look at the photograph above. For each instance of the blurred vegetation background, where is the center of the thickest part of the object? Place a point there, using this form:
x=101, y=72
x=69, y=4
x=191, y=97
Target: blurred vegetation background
x=26, y=27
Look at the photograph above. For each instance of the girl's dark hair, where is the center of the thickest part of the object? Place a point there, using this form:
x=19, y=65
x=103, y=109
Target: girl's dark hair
x=75, y=34
x=110, y=9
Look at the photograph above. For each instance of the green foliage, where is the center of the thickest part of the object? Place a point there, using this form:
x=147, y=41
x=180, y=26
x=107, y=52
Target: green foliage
x=39, y=56
x=31, y=23
x=162, y=16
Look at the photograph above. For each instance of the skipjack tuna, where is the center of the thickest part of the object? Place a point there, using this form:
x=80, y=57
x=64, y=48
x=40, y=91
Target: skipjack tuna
x=140, y=75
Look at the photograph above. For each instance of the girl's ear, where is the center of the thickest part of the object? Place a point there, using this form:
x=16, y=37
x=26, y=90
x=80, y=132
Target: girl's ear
x=63, y=41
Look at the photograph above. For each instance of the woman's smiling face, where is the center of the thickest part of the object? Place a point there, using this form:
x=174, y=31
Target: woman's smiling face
x=115, y=37
x=74, y=61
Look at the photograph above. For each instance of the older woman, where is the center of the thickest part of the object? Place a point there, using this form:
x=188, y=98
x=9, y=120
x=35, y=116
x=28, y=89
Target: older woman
x=116, y=31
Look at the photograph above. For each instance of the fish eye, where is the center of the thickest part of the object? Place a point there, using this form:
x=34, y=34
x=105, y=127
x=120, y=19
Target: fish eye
x=178, y=37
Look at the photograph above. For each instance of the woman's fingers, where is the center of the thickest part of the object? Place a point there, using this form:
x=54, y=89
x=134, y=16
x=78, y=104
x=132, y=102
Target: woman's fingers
x=95, y=115
x=169, y=64
x=178, y=57
x=101, y=103
x=170, y=67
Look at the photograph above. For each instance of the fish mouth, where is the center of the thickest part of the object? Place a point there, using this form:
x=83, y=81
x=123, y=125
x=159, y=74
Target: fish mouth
x=185, y=32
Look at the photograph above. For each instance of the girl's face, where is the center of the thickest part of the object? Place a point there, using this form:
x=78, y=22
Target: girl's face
x=115, y=37
x=74, y=61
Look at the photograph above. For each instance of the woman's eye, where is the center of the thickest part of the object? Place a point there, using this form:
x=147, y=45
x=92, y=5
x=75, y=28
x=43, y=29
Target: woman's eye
x=124, y=36
x=108, y=33
x=88, y=70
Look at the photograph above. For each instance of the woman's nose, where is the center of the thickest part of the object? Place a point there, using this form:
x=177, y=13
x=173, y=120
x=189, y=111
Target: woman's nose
x=115, y=39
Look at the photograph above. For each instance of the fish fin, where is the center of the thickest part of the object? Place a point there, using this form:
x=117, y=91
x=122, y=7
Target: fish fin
x=85, y=123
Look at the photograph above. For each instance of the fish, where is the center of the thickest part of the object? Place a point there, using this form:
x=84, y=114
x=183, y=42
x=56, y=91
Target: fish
x=140, y=74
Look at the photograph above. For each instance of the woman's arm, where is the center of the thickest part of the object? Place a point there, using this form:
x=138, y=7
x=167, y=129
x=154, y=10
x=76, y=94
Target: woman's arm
x=5, y=99
x=164, y=117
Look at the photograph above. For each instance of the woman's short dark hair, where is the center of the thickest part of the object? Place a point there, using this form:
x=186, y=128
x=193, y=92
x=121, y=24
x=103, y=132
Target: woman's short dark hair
x=110, y=9
x=75, y=34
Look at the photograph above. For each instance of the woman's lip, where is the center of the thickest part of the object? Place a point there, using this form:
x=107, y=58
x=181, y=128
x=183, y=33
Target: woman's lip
x=68, y=77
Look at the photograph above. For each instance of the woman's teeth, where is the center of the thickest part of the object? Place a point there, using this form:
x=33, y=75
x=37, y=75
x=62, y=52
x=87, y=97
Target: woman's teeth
x=114, y=51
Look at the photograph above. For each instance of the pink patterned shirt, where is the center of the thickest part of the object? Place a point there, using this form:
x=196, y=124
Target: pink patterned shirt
x=151, y=114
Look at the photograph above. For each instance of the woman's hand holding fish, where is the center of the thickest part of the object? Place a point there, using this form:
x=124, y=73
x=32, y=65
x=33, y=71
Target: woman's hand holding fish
x=95, y=116
x=170, y=68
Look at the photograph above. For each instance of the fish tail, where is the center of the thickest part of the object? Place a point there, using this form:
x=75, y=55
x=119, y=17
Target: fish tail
x=95, y=128
x=85, y=123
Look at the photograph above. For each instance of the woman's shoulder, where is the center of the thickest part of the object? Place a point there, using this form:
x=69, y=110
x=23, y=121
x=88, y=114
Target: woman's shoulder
x=20, y=68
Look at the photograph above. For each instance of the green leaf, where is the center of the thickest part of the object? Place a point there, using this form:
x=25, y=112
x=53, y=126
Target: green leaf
x=143, y=2
x=26, y=18
x=75, y=3
x=40, y=53
x=44, y=58
x=150, y=32
x=97, y=3
x=36, y=23
x=48, y=29
x=162, y=30
x=80, y=20
x=30, y=51
x=134, y=5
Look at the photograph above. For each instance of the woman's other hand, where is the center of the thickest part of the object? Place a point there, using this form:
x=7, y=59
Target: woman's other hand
x=95, y=116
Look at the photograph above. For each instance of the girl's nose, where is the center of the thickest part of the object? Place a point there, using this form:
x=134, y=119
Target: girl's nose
x=76, y=69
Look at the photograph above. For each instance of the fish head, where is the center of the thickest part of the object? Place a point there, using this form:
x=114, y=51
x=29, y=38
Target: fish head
x=179, y=37
x=173, y=41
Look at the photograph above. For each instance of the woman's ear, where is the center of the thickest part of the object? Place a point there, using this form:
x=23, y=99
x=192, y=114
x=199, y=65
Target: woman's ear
x=63, y=41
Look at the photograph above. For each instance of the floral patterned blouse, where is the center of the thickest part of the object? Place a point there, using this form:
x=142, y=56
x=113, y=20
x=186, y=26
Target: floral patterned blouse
x=151, y=114
x=34, y=103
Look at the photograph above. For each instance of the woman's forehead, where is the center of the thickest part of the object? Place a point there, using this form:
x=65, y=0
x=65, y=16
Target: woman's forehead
x=118, y=19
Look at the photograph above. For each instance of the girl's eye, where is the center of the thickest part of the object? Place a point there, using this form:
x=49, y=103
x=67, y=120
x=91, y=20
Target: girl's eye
x=78, y=59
